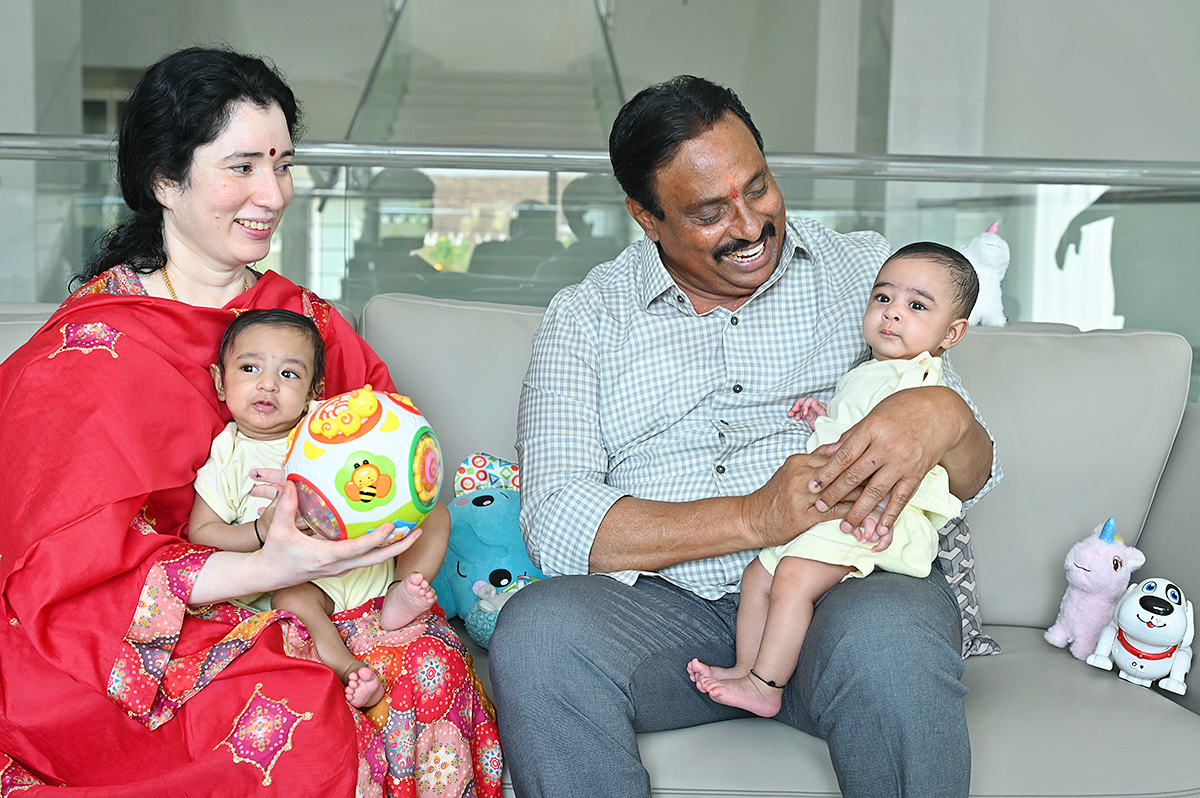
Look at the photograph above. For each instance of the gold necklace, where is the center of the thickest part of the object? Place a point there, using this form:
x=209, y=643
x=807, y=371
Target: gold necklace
x=171, y=288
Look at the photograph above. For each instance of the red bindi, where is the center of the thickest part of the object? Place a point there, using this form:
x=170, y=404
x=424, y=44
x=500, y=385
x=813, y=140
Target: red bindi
x=272, y=150
x=733, y=192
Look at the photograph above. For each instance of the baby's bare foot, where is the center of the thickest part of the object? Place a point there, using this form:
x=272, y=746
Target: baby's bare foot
x=406, y=600
x=745, y=693
x=363, y=688
x=697, y=670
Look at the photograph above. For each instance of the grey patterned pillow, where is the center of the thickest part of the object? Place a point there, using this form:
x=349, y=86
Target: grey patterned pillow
x=958, y=564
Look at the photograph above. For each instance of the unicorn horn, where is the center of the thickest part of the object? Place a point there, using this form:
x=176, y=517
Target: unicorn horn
x=1109, y=533
x=995, y=228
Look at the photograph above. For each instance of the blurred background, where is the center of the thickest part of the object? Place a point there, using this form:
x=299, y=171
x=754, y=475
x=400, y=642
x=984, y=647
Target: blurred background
x=458, y=147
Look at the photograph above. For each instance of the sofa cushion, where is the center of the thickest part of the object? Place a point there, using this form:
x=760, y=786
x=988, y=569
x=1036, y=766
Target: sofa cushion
x=1043, y=723
x=477, y=352
x=1083, y=423
x=1169, y=541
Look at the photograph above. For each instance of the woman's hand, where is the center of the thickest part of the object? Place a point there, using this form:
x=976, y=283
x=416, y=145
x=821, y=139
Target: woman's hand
x=291, y=549
x=268, y=482
x=290, y=556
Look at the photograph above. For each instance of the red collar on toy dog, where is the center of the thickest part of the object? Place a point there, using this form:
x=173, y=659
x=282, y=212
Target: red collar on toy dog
x=1142, y=654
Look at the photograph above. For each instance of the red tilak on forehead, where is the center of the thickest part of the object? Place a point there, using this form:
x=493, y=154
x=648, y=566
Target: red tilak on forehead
x=733, y=192
x=272, y=150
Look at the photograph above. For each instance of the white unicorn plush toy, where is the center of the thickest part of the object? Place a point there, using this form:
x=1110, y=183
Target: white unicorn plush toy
x=988, y=253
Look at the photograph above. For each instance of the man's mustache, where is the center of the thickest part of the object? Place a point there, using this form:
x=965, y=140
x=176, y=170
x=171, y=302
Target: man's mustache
x=768, y=231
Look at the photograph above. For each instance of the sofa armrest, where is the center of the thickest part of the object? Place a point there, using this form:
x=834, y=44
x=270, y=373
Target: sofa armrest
x=1169, y=539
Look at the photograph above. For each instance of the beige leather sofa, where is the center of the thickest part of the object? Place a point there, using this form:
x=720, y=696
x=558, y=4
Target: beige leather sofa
x=1088, y=425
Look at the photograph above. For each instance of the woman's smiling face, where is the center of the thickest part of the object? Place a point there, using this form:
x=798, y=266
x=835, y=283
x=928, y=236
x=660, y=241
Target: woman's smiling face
x=236, y=191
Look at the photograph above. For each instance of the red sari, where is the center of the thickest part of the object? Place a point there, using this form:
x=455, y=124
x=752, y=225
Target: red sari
x=109, y=684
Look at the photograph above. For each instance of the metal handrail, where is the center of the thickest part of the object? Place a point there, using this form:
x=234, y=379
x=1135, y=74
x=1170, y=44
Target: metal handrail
x=374, y=73
x=1179, y=174
x=602, y=17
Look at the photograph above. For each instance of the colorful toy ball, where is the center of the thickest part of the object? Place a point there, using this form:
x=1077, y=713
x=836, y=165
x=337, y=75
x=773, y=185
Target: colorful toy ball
x=362, y=459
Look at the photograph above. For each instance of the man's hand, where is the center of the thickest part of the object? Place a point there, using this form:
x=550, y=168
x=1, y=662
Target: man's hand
x=268, y=482
x=889, y=452
x=646, y=535
x=784, y=507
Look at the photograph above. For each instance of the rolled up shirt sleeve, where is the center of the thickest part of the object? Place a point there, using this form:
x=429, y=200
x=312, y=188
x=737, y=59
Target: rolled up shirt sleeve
x=996, y=474
x=564, y=461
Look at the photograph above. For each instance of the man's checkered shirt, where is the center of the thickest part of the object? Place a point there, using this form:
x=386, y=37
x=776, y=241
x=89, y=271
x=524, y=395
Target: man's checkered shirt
x=631, y=392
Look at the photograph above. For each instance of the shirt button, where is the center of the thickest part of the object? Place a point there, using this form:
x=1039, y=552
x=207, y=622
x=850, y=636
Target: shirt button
x=733, y=321
x=737, y=388
x=679, y=298
x=720, y=469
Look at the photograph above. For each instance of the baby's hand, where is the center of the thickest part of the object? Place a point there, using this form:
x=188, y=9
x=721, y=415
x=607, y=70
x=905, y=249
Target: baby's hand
x=871, y=532
x=807, y=409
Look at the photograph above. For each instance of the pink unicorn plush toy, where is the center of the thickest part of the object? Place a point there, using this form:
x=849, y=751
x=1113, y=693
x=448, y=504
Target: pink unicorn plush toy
x=1099, y=568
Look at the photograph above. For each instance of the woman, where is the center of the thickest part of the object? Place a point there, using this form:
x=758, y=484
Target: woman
x=121, y=667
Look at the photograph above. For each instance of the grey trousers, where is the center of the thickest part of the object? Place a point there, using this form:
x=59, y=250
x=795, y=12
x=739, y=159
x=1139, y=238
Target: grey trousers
x=580, y=664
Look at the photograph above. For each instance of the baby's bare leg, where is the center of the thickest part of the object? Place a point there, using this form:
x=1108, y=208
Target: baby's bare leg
x=426, y=555
x=751, y=619
x=797, y=585
x=410, y=595
x=310, y=604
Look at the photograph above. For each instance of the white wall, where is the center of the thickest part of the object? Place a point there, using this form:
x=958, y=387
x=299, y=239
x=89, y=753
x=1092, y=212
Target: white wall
x=324, y=48
x=1071, y=78
x=40, y=59
x=765, y=50
x=16, y=177
x=1093, y=79
x=518, y=36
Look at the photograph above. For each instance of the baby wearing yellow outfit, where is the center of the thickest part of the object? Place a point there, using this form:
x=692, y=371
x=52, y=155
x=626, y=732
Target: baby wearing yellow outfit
x=915, y=533
x=918, y=309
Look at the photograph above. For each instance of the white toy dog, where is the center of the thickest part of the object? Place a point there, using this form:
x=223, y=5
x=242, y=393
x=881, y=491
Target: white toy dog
x=988, y=253
x=1150, y=637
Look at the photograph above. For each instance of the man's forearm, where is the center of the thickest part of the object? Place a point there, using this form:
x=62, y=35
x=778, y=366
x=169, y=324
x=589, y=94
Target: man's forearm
x=968, y=462
x=638, y=534
x=643, y=535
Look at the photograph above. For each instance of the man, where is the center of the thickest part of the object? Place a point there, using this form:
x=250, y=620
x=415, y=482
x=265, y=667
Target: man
x=657, y=459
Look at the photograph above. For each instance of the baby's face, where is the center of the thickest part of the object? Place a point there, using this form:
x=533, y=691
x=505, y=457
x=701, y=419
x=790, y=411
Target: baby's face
x=268, y=380
x=911, y=310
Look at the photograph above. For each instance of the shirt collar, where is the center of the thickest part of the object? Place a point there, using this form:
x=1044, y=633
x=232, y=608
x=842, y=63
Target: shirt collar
x=657, y=281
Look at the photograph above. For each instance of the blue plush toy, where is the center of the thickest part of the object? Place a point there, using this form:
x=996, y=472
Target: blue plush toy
x=486, y=561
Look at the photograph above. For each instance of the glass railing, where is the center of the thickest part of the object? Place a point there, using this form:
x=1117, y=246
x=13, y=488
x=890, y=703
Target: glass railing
x=1093, y=244
x=437, y=80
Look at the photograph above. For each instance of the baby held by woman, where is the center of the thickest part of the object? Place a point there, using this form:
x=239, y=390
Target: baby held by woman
x=270, y=367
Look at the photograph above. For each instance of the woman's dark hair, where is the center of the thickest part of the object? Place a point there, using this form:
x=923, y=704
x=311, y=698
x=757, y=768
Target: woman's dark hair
x=650, y=127
x=962, y=273
x=181, y=102
x=274, y=317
